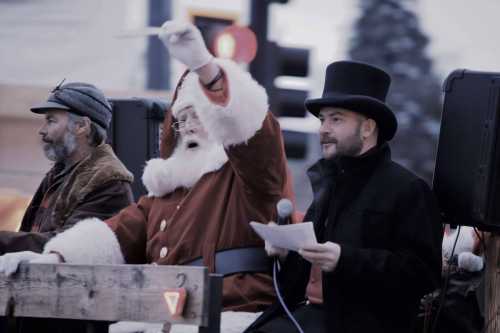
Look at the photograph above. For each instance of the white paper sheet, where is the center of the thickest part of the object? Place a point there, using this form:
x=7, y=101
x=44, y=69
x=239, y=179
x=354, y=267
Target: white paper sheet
x=290, y=236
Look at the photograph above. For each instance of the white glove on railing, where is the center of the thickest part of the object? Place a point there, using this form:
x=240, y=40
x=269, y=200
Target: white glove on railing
x=10, y=262
x=185, y=43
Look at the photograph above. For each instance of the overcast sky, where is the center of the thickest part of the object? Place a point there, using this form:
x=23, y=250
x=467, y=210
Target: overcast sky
x=45, y=40
x=463, y=33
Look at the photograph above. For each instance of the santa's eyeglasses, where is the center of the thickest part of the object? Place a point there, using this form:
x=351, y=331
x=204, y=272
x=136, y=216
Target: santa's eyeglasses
x=179, y=125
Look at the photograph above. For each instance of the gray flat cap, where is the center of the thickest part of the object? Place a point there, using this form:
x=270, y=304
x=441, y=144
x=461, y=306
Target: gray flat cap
x=79, y=98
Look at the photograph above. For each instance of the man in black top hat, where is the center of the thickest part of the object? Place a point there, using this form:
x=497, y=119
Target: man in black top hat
x=87, y=180
x=377, y=224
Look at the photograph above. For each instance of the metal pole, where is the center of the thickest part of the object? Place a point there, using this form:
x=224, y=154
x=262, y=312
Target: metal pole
x=259, y=24
x=215, y=304
x=158, y=64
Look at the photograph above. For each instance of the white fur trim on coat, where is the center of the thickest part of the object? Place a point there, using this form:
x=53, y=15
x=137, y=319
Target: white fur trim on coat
x=465, y=241
x=244, y=113
x=470, y=262
x=89, y=242
x=182, y=169
x=464, y=248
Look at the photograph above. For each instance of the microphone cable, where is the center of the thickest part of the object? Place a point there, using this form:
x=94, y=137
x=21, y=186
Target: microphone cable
x=280, y=298
x=284, y=209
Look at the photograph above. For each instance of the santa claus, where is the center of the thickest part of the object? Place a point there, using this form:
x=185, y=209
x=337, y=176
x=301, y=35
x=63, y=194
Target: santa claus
x=222, y=165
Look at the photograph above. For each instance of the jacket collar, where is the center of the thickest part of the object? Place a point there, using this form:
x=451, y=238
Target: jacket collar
x=366, y=161
x=325, y=171
x=325, y=175
x=100, y=167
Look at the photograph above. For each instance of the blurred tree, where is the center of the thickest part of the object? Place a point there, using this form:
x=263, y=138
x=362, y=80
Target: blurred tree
x=387, y=34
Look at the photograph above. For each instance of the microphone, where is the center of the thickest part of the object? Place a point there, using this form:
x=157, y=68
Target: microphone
x=285, y=210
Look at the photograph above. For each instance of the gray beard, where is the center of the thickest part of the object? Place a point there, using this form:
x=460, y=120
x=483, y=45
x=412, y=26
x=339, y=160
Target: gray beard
x=60, y=151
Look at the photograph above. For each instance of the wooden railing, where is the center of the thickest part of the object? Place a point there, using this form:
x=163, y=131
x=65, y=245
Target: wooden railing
x=114, y=293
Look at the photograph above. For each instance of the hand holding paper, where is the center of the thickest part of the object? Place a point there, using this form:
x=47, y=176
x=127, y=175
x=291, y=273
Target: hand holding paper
x=274, y=251
x=325, y=255
x=292, y=236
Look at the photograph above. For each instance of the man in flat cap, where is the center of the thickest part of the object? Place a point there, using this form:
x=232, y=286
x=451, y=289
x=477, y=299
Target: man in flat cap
x=87, y=179
x=377, y=224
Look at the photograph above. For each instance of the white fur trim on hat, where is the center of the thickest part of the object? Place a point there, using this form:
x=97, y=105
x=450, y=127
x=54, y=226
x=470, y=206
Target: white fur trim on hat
x=244, y=113
x=90, y=242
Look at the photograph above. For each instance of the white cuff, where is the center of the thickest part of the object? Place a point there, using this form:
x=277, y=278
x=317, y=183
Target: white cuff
x=90, y=242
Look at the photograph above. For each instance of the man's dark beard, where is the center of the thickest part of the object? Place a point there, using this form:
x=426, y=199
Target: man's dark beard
x=350, y=146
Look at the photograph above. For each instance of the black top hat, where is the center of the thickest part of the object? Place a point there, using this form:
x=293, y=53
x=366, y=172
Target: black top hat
x=79, y=98
x=358, y=87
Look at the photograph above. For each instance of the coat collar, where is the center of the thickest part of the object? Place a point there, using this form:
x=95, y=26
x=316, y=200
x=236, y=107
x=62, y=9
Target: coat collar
x=354, y=177
x=355, y=170
x=348, y=164
x=364, y=163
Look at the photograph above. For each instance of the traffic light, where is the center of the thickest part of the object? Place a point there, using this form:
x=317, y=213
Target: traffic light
x=286, y=62
x=274, y=61
x=210, y=27
x=225, y=39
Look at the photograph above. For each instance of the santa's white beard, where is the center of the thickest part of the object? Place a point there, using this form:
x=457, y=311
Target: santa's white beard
x=184, y=167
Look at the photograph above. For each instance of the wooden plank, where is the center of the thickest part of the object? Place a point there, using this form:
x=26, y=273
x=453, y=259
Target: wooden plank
x=492, y=285
x=104, y=292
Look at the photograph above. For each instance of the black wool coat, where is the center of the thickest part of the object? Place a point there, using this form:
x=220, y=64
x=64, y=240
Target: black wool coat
x=386, y=221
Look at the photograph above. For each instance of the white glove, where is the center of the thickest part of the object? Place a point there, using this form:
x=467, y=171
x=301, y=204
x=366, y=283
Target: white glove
x=185, y=43
x=325, y=255
x=10, y=262
x=470, y=262
x=274, y=251
x=135, y=326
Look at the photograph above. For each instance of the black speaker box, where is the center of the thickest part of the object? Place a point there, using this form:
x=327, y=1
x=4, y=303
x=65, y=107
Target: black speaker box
x=467, y=173
x=134, y=134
